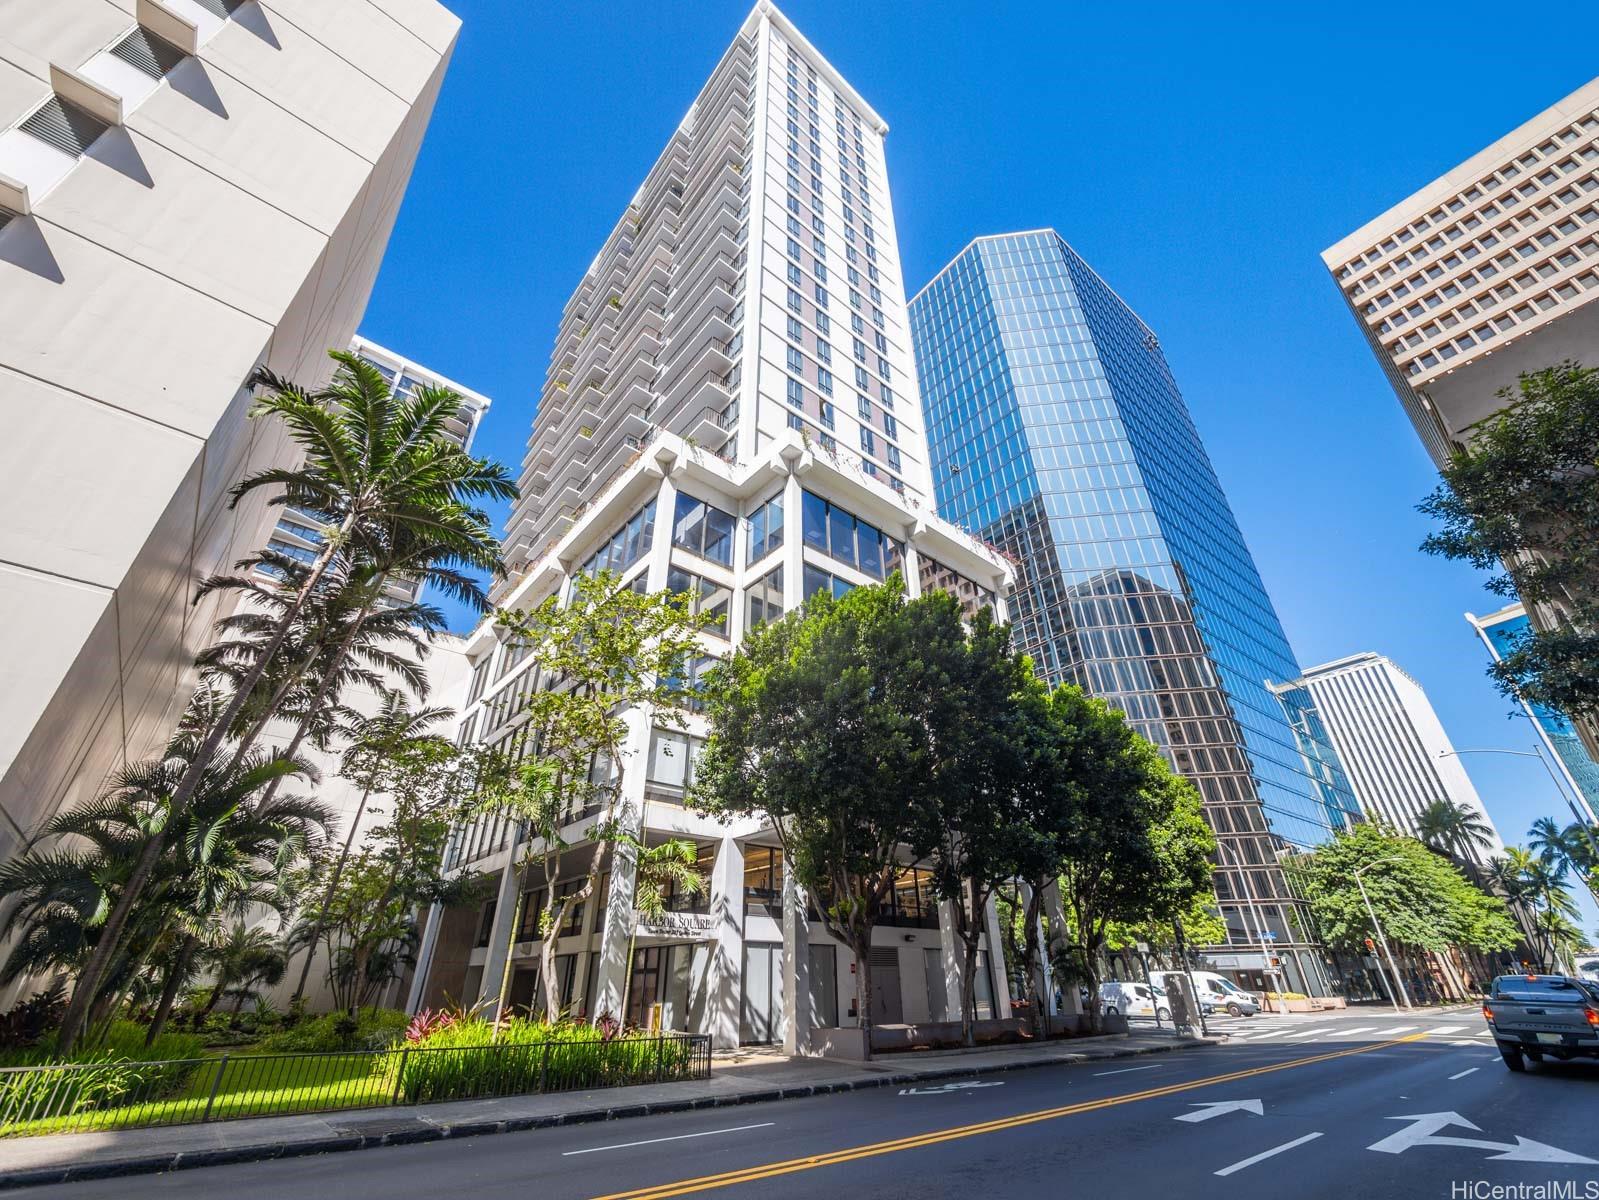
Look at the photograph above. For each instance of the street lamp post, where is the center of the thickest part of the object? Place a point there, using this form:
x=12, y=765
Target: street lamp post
x=1382, y=938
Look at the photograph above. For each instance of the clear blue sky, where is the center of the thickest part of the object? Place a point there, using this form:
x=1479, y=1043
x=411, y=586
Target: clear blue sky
x=1199, y=158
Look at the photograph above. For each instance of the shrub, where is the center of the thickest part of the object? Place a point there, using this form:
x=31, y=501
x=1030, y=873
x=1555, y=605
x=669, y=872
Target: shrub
x=125, y=1070
x=371, y=1029
x=29, y=1021
x=464, y=1058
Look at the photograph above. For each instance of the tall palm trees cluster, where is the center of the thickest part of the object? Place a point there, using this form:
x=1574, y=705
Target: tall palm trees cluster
x=1532, y=878
x=155, y=879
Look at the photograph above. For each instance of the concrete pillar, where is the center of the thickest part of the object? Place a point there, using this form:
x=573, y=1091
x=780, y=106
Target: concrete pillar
x=1071, y=1002
x=950, y=953
x=793, y=553
x=797, y=1016
x=488, y=999
x=617, y=935
x=424, y=956
x=996, y=959
x=724, y=985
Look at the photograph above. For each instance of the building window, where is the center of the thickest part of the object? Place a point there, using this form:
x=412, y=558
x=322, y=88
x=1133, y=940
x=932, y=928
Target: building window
x=703, y=529
x=626, y=546
x=707, y=598
x=868, y=441
x=841, y=535
x=766, y=528
x=763, y=875
x=796, y=361
x=824, y=381
x=765, y=597
x=672, y=759
x=818, y=580
x=796, y=393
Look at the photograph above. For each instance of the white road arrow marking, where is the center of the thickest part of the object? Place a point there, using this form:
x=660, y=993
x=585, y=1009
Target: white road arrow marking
x=1215, y=1108
x=1423, y=1131
x=946, y=1088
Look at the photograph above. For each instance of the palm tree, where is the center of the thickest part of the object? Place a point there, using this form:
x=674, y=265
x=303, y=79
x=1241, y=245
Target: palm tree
x=245, y=957
x=1570, y=848
x=383, y=473
x=223, y=851
x=659, y=873
x=373, y=740
x=1453, y=828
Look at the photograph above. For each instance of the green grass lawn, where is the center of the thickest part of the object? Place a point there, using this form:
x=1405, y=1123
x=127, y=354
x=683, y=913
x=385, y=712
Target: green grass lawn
x=250, y=1085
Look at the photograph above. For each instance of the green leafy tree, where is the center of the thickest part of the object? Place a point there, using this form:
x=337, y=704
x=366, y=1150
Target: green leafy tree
x=605, y=653
x=392, y=486
x=1522, y=501
x=1420, y=899
x=982, y=725
x=1133, y=846
x=818, y=725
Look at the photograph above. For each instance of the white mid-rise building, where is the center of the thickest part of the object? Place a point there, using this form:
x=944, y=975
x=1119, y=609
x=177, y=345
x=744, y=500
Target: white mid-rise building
x=188, y=189
x=1393, y=748
x=731, y=410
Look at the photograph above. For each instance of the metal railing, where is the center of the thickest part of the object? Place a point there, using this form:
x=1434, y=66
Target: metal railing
x=83, y=1097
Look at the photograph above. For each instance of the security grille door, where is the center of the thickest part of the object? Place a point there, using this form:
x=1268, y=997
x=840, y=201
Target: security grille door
x=761, y=1016
x=888, y=1007
x=937, y=1001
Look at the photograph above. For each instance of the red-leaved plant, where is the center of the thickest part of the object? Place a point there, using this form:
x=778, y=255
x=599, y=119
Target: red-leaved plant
x=427, y=1022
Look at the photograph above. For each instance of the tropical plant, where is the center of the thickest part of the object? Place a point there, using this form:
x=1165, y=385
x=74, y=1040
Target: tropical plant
x=1570, y=848
x=380, y=752
x=1453, y=828
x=247, y=957
x=603, y=652
x=660, y=874
x=394, y=489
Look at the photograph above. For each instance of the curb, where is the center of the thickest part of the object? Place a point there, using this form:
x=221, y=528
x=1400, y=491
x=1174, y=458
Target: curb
x=149, y=1164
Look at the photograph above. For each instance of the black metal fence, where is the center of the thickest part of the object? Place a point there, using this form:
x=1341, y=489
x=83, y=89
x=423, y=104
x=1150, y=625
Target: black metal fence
x=81, y=1097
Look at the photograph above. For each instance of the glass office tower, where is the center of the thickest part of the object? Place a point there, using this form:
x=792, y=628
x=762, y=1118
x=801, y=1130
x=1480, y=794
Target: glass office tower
x=1058, y=433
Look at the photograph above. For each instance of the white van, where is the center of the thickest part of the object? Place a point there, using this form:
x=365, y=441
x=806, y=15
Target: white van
x=1134, y=1000
x=1588, y=968
x=1217, y=993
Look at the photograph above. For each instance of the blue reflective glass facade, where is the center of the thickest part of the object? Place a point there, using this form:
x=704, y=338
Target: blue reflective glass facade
x=1058, y=433
x=1559, y=733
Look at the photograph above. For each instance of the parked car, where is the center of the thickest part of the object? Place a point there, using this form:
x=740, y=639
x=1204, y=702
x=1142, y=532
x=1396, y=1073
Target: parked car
x=1539, y=1016
x=1134, y=1000
x=1217, y=993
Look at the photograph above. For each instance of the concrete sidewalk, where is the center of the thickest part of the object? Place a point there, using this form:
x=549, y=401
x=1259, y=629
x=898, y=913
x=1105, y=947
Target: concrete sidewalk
x=738, y=1079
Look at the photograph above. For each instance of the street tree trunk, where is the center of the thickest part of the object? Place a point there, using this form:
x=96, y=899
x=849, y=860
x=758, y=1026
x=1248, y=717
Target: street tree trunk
x=169, y=991
x=327, y=897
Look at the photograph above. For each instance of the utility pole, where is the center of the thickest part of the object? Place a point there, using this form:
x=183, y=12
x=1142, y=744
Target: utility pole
x=1381, y=937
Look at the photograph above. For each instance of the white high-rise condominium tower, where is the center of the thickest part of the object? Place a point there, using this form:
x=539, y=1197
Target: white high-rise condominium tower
x=1393, y=748
x=188, y=189
x=731, y=410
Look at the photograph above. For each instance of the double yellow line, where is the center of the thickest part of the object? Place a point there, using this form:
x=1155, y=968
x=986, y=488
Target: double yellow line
x=707, y=1183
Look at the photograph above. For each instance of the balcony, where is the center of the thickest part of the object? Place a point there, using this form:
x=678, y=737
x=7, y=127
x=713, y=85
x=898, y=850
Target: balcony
x=713, y=426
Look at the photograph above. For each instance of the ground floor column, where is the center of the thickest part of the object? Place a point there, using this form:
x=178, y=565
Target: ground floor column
x=797, y=1016
x=1071, y=1001
x=951, y=956
x=999, y=974
x=488, y=996
x=431, y=925
x=724, y=984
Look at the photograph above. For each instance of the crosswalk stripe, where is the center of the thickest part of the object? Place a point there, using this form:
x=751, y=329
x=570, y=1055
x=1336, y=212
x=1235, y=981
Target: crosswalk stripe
x=1443, y=1029
x=1398, y=1029
x=1310, y=1032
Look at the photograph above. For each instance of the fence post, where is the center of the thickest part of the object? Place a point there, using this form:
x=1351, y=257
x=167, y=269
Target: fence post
x=544, y=1067
x=216, y=1084
x=399, y=1076
x=660, y=1042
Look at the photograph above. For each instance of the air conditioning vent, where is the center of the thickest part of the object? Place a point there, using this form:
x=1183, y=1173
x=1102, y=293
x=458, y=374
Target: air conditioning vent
x=145, y=52
x=65, y=126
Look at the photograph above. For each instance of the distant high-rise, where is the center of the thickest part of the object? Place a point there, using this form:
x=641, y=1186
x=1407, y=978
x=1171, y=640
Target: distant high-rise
x=1058, y=433
x=1489, y=272
x=1393, y=747
x=188, y=190
x=1575, y=765
x=298, y=535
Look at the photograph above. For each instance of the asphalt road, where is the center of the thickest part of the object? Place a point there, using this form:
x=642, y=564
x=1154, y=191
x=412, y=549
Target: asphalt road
x=1404, y=1107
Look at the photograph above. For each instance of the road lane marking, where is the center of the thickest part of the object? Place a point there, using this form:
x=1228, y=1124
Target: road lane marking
x=1265, y=1154
x=704, y=1183
x=1463, y=1074
x=680, y=1137
x=1127, y=1070
x=1299, y=1033
x=1471, y=1041
x=1399, y=1029
x=1424, y=1128
x=1215, y=1108
x=1360, y=1029
x=1443, y=1029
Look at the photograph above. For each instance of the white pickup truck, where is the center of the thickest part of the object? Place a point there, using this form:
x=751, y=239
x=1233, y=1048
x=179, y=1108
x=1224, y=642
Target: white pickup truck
x=1543, y=1016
